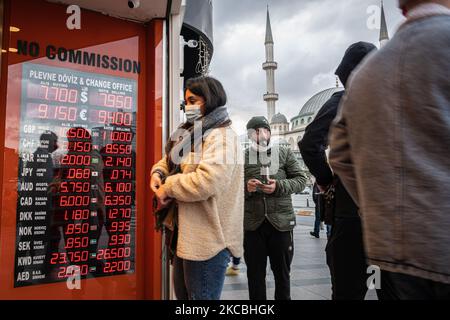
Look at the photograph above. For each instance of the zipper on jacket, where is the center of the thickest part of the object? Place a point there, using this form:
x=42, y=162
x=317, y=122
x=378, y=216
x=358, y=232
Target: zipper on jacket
x=265, y=206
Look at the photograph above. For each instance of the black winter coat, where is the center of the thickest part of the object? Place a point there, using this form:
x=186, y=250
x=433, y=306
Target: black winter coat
x=312, y=148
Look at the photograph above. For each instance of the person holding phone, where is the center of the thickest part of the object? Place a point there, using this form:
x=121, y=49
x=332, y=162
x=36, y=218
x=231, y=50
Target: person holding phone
x=272, y=175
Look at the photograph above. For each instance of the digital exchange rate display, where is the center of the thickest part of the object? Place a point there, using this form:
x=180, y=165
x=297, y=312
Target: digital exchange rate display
x=76, y=178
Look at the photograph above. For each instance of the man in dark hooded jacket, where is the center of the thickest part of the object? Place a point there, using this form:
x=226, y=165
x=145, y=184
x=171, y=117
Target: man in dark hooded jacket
x=345, y=251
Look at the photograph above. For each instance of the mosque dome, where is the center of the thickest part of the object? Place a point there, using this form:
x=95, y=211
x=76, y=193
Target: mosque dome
x=279, y=119
x=312, y=106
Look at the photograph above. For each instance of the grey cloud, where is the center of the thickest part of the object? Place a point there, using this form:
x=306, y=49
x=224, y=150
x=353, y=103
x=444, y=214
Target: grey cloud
x=310, y=39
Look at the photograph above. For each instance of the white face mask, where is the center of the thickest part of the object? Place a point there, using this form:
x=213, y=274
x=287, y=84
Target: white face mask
x=263, y=146
x=192, y=112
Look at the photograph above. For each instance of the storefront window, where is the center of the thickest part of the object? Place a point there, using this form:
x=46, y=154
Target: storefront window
x=69, y=189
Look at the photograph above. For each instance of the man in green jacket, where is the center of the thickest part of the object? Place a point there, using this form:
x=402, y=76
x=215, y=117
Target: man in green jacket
x=272, y=174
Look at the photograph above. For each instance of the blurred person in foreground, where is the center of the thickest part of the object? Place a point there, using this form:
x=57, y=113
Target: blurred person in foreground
x=389, y=145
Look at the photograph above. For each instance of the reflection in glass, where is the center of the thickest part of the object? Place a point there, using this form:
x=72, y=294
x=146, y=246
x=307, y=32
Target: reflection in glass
x=76, y=204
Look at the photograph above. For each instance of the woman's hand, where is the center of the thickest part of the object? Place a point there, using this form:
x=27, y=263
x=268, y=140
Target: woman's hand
x=155, y=182
x=162, y=196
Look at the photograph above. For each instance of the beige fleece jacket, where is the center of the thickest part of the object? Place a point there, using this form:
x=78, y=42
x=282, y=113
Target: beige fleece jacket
x=210, y=196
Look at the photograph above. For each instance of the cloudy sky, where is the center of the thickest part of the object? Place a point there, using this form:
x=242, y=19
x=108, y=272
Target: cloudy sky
x=310, y=39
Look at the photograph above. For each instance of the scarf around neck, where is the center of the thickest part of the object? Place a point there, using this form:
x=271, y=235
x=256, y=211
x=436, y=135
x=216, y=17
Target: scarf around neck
x=190, y=135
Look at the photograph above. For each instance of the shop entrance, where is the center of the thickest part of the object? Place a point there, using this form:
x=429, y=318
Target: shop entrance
x=80, y=120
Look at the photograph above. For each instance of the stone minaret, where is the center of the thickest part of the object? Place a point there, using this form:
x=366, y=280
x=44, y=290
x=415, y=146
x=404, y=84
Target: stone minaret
x=384, y=36
x=270, y=66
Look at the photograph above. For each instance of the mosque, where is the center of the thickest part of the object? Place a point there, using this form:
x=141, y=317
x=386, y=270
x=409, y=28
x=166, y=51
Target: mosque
x=291, y=132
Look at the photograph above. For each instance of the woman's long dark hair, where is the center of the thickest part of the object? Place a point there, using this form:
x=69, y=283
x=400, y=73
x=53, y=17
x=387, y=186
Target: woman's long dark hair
x=212, y=91
x=209, y=89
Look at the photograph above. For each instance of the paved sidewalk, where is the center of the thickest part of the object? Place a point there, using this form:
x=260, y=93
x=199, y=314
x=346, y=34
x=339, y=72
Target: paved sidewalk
x=310, y=277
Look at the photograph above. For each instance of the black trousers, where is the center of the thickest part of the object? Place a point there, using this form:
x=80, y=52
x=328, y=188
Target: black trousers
x=346, y=260
x=265, y=242
x=397, y=286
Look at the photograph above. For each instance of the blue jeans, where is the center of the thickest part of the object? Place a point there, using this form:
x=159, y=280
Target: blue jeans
x=200, y=280
x=317, y=223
